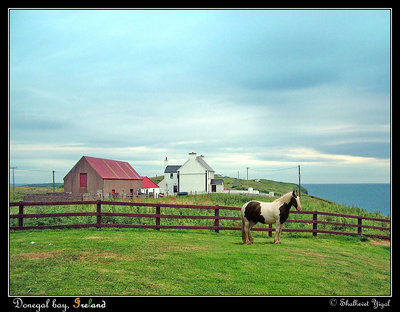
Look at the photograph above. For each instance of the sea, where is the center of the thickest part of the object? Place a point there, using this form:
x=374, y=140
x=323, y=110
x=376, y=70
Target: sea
x=373, y=197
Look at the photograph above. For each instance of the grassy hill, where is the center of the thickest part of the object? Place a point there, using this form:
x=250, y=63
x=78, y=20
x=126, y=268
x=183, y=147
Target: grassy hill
x=264, y=185
x=157, y=179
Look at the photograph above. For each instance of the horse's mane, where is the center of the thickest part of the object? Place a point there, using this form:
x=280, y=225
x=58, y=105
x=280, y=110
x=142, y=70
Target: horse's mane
x=285, y=198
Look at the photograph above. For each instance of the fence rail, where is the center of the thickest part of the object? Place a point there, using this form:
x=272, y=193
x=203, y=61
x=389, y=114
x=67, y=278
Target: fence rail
x=99, y=214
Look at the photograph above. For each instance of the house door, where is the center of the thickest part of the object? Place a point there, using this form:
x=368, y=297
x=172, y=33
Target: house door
x=213, y=188
x=175, y=189
x=83, y=183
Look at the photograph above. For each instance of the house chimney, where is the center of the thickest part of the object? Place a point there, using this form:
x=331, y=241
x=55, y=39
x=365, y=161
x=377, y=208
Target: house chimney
x=166, y=161
x=192, y=155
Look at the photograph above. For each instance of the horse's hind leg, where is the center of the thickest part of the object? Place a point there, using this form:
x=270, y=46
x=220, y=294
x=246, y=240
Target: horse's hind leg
x=251, y=239
x=246, y=232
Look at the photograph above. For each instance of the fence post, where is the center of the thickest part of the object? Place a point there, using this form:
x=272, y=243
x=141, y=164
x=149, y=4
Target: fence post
x=21, y=219
x=315, y=224
x=270, y=230
x=216, y=222
x=359, y=229
x=98, y=225
x=158, y=212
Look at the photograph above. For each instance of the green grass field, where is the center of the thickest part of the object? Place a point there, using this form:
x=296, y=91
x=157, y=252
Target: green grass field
x=81, y=262
x=110, y=261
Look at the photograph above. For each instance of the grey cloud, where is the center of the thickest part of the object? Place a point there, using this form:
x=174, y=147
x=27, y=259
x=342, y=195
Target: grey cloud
x=38, y=124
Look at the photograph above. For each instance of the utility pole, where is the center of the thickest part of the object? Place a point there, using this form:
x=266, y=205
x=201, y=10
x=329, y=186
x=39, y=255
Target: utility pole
x=299, y=183
x=54, y=187
x=247, y=173
x=13, y=168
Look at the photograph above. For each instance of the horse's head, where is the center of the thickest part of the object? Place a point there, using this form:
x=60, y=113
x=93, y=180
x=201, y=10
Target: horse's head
x=296, y=200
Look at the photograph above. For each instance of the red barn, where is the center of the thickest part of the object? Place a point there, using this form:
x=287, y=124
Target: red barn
x=102, y=176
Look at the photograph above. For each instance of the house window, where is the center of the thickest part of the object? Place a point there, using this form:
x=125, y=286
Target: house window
x=112, y=191
x=171, y=175
x=83, y=180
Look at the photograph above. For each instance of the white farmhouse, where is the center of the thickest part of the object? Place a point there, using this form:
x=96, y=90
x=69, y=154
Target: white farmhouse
x=171, y=179
x=195, y=176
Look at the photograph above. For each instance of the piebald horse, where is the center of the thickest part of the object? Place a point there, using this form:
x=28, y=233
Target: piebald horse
x=268, y=213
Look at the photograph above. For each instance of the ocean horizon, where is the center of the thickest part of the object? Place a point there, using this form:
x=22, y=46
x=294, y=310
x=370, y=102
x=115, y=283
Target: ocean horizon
x=373, y=197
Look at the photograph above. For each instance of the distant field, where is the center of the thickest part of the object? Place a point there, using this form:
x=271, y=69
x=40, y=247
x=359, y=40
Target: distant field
x=20, y=191
x=45, y=185
x=264, y=186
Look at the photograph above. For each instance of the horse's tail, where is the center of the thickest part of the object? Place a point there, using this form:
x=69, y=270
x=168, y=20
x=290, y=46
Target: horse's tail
x=243, y=232
x=243, y=221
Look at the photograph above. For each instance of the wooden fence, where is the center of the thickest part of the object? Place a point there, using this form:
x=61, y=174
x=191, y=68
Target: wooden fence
x=99, y=214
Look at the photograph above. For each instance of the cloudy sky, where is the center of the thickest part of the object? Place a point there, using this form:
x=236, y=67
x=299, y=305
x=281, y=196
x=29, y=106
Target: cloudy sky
x=264, y=89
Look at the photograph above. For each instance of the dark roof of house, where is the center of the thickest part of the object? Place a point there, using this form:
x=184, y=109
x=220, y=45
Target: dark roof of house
x=112, y=169
x=171, y=169
x=217, y=181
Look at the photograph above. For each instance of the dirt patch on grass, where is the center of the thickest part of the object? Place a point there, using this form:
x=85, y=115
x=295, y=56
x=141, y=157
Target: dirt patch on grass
x=187, y=248
x=313, y=254
x=96, y=256
x=296, y=253
x=38, y=255
x=381, y=242
x=66, y=256
x=102, y=238
x=108, y=255
x=112, y=271
x=93, y=237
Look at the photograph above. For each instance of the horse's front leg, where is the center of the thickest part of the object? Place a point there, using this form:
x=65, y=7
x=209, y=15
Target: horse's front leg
x=278, y=230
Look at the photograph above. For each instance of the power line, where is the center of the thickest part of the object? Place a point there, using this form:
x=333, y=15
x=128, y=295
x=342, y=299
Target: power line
x=37, y=170
x=13, y=169
x=33, y=170
x=281, y=169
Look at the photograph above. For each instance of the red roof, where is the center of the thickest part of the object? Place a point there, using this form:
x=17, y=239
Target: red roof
x=147, y=183
x=112, y=169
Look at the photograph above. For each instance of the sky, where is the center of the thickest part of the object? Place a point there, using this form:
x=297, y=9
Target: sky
x=264, y=89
